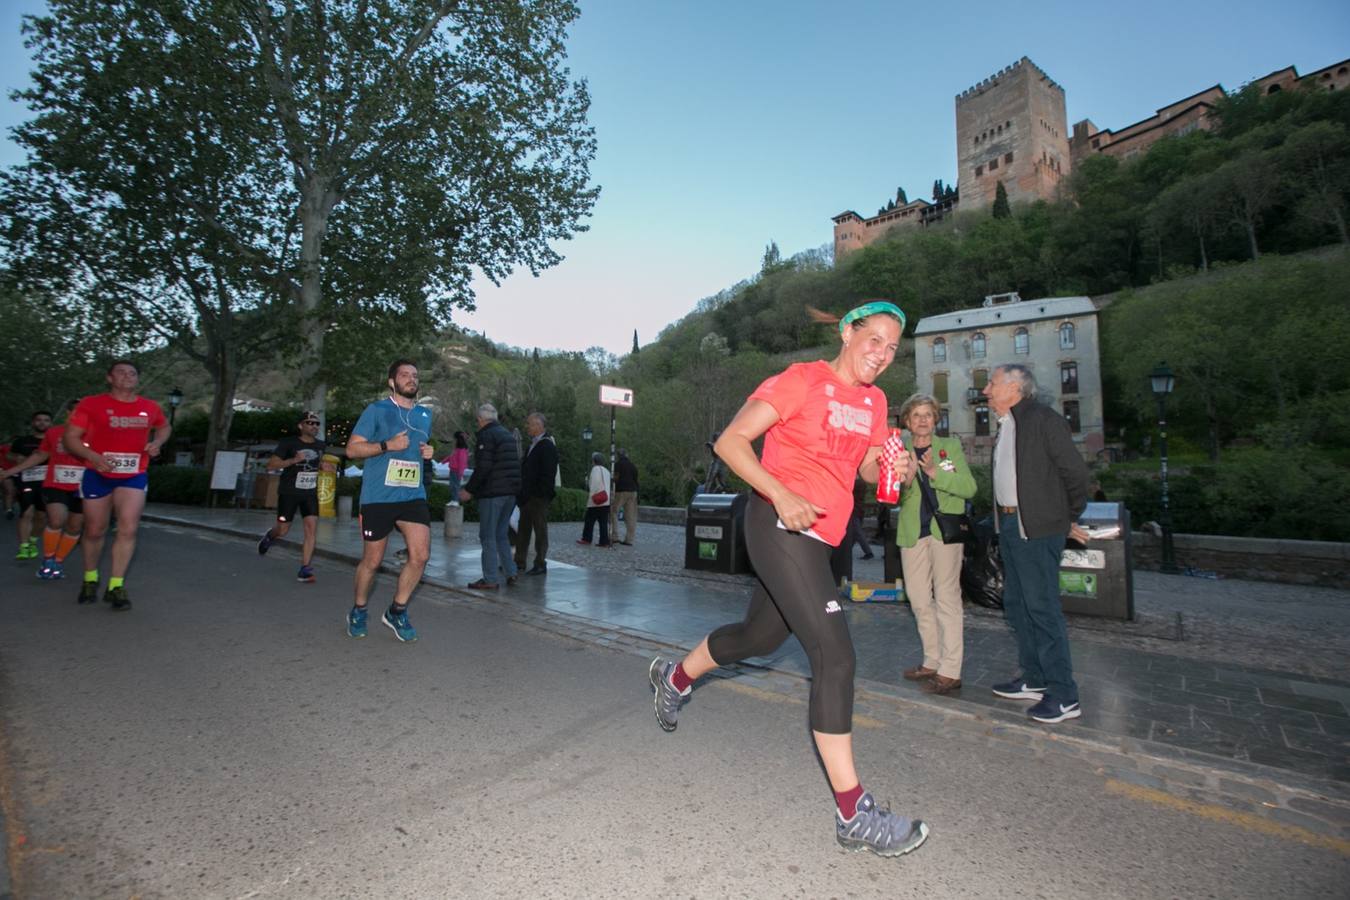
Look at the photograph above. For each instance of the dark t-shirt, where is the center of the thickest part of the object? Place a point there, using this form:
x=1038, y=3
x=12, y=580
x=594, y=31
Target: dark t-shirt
x=303, y=477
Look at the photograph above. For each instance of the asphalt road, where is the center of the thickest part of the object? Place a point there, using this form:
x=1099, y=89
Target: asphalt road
x=227, y=739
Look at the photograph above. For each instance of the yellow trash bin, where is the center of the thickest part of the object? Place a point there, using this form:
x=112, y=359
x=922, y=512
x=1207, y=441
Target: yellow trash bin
x=328, y=486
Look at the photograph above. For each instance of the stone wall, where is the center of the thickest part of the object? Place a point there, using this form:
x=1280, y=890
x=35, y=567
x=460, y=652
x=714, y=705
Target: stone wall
x=1322, y=563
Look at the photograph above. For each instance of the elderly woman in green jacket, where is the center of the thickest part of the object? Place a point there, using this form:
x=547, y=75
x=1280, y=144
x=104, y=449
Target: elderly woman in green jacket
x=932, y=568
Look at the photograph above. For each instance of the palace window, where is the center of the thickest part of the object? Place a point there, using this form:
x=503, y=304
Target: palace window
x=993, y=164
x=981, y=378
x=1066, y=336
x=944, y=424
x=1007, y=157
x=940, y=386
x=939, y=350
x=1068, y=378
x=979, y=170
x=1071, y=415
x=1021, y=341
x=982, y=421
x=977, y=345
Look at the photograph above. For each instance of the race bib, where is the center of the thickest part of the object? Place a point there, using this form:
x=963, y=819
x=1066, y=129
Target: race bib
x=68, y=475
x=306, y=481
x=123, y=463
x=37, y=473
x=403, y=474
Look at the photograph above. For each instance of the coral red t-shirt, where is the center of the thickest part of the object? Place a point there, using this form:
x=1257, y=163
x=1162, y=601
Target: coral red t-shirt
x=824, y=430
x=64, y=472
x=119, y=430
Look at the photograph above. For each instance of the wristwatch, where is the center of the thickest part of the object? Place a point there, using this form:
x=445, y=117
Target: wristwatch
x=384, y=448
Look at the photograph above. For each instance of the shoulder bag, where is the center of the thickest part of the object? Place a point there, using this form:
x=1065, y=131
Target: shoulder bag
x=955, y=528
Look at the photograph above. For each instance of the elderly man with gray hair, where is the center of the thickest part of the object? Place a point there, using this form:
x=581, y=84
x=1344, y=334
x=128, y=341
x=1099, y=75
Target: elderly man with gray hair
x=494, y=484
x=538, y=476
x=1040, y=490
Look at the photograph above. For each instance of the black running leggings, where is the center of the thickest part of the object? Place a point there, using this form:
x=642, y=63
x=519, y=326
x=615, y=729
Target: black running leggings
x=796, y=595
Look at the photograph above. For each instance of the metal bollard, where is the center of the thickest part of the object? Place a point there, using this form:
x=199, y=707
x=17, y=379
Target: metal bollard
x=344, y=509
x=454, y=520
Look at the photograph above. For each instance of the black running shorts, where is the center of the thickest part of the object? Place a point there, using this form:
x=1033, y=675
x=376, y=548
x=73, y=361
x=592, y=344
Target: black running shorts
x=306, y=504
x=378, y=519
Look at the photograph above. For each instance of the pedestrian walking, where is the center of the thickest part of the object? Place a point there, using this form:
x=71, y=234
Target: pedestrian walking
x=597, y=502
x=822, y=422
x=624, y=500
x=1040, y=490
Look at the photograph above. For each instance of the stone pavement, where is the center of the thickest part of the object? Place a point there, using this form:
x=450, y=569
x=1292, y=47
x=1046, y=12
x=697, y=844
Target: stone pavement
x=1272, y=743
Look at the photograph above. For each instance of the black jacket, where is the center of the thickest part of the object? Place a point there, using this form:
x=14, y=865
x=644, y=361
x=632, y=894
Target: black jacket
x=625, y=475
x=1052, y=478
x=496, y=464
x=540, y=469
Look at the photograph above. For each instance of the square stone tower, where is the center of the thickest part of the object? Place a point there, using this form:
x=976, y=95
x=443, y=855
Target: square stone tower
x=1012, y=128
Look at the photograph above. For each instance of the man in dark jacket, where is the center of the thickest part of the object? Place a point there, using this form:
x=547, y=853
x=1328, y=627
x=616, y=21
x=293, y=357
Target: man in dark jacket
x=538, y=475
x=495, y=484
x=1040, y=490
x=625, y=498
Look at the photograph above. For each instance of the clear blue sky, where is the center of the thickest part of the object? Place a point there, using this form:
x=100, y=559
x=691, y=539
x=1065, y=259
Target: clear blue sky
x=724, y=125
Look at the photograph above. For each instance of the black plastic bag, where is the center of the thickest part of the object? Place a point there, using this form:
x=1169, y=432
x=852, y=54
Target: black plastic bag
x=982, y=567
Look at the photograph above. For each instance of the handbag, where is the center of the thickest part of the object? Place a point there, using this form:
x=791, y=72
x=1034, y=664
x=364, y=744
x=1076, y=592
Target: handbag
x=600, y=498
x=955, y=528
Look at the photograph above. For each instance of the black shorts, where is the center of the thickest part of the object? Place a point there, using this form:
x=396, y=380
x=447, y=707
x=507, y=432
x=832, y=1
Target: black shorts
x=69, y=499
x=30, y=495
x=288, y=505
x=377, y=519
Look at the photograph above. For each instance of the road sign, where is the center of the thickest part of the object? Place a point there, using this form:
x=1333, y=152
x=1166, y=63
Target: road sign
x=616, y=396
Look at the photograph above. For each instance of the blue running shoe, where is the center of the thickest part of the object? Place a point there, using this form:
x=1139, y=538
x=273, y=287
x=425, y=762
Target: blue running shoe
x=1050, y=711
x=399, y=624
x=356, y=622
x=264, y=542
x=878, y=829
x=50, y=569
x=1017, y=689
x=305, y=575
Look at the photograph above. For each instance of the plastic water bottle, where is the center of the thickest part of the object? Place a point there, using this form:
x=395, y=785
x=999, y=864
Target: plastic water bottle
x=888, y=484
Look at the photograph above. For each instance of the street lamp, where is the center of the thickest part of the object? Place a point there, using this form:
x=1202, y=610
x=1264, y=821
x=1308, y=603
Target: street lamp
x=1162, y=382
x=586, y=435
x=175, y=398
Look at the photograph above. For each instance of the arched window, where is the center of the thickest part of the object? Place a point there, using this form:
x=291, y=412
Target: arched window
x=1021, y=341
x=977, y=345
x=940, y=350
x=1066, y=336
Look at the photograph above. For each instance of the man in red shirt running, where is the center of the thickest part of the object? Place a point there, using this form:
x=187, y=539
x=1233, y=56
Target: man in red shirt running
x=61, y=475
x=115, y=434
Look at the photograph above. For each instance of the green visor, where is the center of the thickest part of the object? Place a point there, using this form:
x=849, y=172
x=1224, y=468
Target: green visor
x=871, y=308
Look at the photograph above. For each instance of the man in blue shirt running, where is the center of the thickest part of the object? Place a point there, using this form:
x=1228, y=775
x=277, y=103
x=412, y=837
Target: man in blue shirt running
x=393, y=436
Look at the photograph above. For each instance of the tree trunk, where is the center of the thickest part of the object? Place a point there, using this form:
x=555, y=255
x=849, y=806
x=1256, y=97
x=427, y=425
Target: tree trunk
x=315, y=207
x=1204, y=255
x=223, y=365
x=1251, y=239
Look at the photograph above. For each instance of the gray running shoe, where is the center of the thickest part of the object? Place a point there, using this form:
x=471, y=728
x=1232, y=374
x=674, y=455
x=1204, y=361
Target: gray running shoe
x=668, y=700
x=879, y=830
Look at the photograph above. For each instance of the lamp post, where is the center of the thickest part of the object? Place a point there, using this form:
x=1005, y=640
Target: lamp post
x=1162, y=381
x=586, y=435
x=175, y=398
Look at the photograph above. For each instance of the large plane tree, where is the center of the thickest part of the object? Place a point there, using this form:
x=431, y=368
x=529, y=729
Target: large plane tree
x=248, y=177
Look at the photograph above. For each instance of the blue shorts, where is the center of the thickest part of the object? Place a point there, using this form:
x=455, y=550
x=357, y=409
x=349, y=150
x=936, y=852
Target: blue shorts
x=96, y=484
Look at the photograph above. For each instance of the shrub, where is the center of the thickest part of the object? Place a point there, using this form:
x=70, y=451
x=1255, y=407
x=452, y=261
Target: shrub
x=178, y=484
x=569, y=505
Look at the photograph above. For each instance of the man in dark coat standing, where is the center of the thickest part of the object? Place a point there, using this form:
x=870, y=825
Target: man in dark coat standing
x=1040, y=490
x=538, y=476
x=494, y=484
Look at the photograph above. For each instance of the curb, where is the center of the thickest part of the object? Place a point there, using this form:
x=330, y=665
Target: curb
x=1313, y=810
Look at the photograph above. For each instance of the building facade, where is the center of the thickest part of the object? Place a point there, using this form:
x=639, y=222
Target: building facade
x=1011, y=128
x=1056, y=338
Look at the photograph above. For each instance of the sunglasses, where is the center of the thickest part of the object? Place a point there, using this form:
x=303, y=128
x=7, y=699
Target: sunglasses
x=310, y=422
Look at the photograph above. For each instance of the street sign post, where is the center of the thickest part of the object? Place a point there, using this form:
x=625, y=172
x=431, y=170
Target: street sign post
x=614, y=397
